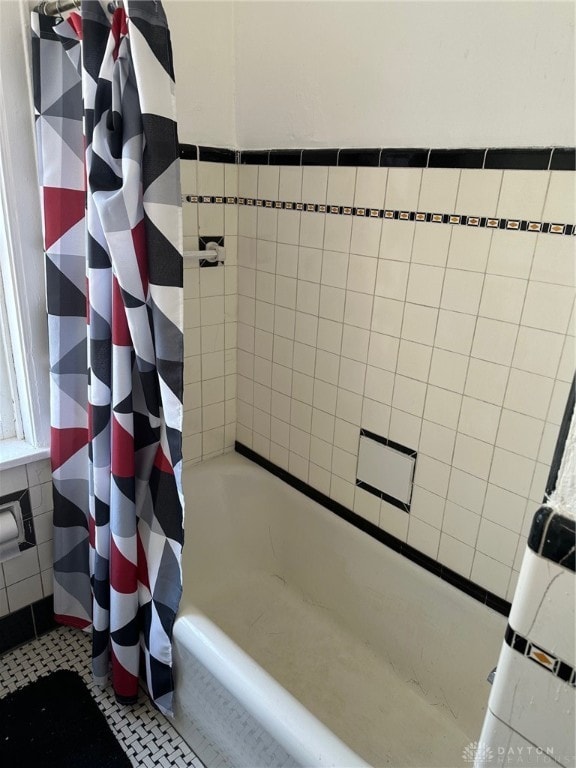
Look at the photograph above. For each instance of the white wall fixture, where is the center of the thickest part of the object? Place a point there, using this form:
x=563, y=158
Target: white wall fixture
x=388, y=468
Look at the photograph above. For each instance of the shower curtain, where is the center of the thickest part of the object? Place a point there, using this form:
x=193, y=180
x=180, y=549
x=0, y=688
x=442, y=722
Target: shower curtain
x=110, y=189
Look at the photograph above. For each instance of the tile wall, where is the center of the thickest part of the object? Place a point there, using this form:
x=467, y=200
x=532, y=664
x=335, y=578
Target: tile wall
x=210, y=313
x=27, y=578
x=455, y=341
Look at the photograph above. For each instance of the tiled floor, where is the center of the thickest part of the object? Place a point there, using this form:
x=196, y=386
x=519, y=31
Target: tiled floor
x=146, y=736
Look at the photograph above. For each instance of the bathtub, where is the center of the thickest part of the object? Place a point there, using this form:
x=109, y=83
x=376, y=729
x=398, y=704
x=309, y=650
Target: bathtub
x=302, y=641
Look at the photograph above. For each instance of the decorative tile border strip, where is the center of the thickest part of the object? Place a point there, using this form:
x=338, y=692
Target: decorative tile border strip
x=545, y=659
x=482, y=222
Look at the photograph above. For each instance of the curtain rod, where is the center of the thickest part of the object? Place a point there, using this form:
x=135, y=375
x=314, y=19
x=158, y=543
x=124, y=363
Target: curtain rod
x=56, y=7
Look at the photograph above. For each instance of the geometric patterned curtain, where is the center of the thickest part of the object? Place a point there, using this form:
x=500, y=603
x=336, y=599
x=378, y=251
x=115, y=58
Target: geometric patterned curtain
x=109, y=176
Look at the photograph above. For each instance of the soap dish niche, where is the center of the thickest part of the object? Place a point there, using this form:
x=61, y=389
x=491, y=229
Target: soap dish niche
x=386, y=469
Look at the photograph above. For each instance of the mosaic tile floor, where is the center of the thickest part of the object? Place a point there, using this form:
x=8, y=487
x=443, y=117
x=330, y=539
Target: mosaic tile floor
x=146, y=735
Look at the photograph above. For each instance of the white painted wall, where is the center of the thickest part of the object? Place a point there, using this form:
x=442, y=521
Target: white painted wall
x=203, y=46
x=440, y=74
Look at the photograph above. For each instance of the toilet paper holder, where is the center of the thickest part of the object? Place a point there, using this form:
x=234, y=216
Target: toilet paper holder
x=19, y=504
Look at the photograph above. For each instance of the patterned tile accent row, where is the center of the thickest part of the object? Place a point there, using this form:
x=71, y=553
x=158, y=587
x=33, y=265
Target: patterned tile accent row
x=538, y=655
x=483, y=222
x=146, y=736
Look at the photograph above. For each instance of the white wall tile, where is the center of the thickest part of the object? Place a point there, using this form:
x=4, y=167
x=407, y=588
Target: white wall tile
x=479, y=419
x=341, y=185
x=461, y=291
x=268, y=182
x=403, y=188
x=423, y=537
x=425, y=285
x=290, y=186
x=469, y=248
x=448, y=370
x=554, y=260
x=379, y=385
x=528, y=393
x=504, y=507
x=511, y=471
x=455, y=331
x=358, y=309
x=419, y=323
x=538, y=351
x=438, y=190
x=491, y=574
x=414, y=360
x=466, y=491
x=409, y=395
x=349, y=406
x=472, y=456
x=486, y=381
x=494, y=341
x=352, y=375
x=497, y=542
x=375, y=416
x=404, y=428
x=511, y=253
x=288, y=227
x=442, y=406
x=522, y=194
x=560, y=206
x=478, y=192
x=370, y=187
x=367, y=505
x=396, y=240
x=387, y=316
x=455, y=554
x=366, y=232
x=503, y=298
x=460, y=523
x=308, y=297
x=520, y=433
x=335, y=269
x=437, y=441
x=321, y=453
x=361, y=274
x=548, y=307
x=427, y=506
x=312, y=229
x=394, y=520
x=24, y=593
x=431, y=244
x=338, y=233
x=432, y=475
x=392, y=279
x=314, y=184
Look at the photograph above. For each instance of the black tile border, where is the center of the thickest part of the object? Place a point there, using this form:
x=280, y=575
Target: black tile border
x=208, y=154
x=26, y=624
x=500, y=158
x=552, y=536
x=404, y=506
x=433, y=566
x=555, y=665
x=561, y=441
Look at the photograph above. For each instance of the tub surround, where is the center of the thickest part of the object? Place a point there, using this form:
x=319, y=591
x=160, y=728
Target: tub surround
x=428, y=301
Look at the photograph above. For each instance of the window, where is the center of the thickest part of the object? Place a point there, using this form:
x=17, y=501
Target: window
x=24, y=363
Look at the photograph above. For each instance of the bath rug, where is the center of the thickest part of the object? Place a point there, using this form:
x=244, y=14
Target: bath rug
x=55, y=723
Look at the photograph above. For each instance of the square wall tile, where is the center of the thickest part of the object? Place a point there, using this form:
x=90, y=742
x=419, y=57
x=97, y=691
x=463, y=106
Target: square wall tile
x=560, y=206
x=478, y=192
x=528, y=393
x=494, y=341
x=396, y=240
x=387, y=316
x=466, y=490
x=448, y=370
x=366, y=234
x=504, y=507
x=341, y=185
x=520, y=433
x=383, y=351
x=503, y=298
x=392, y=279
x=455, y=554
x=538, y=351
x=314, y=184
x=414, y=360
x=438, y=190
x=489, y=573
x=472, y=456
x=355, y=343
x=358, y=309
x=455, y=331
x=479, y=419
x=511, y=253
x=442, y=406
x=361, y=274
x=511, y=471
x=469, y=248
x=370, y=187
x=403, y=189
x=427, y=506
x=431, y=244
x=290, y=186
x=522, y=194
x=338, y=233
x=486, y=381
x=554, y=260
x=460, y=523
x=419, y=323
x=462, y=291
x=423, y=537
x=425, y=285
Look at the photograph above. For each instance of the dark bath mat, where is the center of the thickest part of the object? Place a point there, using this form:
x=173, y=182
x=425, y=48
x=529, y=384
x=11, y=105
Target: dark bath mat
x=55, y=723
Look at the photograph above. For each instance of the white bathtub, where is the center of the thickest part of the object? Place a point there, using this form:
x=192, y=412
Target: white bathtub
x=303, y=641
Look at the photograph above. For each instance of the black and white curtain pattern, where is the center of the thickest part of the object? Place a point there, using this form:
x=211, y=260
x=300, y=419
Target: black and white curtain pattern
x=109, y=177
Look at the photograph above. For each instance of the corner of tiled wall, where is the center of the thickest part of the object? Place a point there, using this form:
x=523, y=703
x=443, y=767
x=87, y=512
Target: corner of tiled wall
x=210, y=314
x=27, y=578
